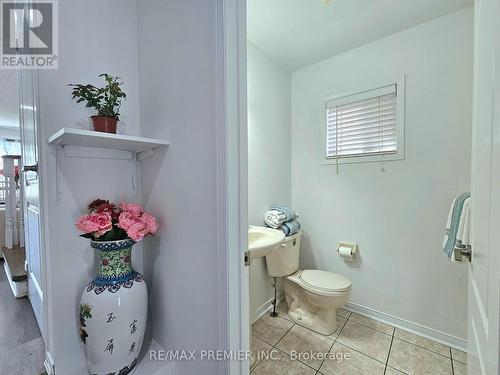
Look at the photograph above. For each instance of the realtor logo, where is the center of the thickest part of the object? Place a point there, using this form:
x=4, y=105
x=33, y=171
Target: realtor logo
x=29, y=35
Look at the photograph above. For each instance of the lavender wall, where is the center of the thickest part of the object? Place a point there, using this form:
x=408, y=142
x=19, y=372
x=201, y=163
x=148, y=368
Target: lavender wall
x=177, y=67
x=109, y=45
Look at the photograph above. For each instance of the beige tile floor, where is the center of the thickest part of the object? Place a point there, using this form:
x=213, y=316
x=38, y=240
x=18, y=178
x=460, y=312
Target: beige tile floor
x=371, y=347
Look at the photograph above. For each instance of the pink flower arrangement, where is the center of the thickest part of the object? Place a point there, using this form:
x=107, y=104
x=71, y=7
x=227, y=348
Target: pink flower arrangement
x=111, y=222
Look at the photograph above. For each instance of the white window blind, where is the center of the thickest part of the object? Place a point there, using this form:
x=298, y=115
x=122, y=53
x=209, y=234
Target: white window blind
x=362, y=124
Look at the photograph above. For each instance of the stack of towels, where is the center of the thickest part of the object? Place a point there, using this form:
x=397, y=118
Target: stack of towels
x=283, y=218
x=457, y=236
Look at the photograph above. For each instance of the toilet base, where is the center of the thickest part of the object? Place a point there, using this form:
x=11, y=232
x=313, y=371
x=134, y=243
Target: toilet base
x=327, y=325
x=315, y=312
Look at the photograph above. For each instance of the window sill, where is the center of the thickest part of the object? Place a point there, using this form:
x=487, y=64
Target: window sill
x=363, y=159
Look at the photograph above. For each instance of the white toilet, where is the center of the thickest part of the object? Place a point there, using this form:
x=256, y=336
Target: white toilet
x=312, y=295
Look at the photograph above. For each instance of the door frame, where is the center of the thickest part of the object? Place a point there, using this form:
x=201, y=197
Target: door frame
x=483, y=314
x=44, y=265
x=232, y=177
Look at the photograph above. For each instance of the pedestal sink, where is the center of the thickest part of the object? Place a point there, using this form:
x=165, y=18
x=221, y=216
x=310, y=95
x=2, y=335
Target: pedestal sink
x=262, y=240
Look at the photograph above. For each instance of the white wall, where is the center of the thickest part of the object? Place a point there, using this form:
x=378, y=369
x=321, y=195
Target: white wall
x=269, y=160
x=397, y=217
x=8, y=132
x=95, y=37
x=177, y=68
x=166, y=54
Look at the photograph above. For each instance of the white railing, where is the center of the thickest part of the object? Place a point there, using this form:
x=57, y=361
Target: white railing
x=14, y=223
x=3, y=192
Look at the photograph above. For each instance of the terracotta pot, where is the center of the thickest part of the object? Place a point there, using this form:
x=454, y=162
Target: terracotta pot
x=104, y=124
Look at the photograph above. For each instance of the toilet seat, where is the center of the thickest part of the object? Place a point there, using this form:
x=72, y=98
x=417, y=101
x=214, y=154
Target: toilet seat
x=324, y=282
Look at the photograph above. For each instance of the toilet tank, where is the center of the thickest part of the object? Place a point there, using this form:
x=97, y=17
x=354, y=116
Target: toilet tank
x=283, y=260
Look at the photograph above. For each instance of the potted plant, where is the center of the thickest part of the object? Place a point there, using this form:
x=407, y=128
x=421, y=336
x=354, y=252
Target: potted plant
x=105, y=100
x=113, y=306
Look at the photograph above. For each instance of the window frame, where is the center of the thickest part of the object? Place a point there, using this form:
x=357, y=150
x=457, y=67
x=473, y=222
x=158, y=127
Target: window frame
x=360, y=95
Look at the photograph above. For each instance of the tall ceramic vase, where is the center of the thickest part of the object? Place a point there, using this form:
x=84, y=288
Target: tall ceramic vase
x=113, y=311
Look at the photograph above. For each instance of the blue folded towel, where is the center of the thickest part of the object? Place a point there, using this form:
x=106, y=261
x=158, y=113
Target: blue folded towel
x=290, y=227
x=287, y=211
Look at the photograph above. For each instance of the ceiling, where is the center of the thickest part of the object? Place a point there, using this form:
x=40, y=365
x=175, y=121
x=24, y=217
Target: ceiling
x=9, y=106
x=297, y=33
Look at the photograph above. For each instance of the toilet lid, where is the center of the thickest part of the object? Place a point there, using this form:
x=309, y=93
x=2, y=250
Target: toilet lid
x=325, y=281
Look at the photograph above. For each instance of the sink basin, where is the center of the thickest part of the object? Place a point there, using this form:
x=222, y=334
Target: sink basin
x=262, y=240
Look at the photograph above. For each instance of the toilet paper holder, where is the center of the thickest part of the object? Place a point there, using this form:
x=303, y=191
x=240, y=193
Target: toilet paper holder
x=347, y=250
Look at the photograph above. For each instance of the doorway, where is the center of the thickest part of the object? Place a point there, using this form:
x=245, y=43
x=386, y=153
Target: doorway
x=455, y=359
x=21, y=308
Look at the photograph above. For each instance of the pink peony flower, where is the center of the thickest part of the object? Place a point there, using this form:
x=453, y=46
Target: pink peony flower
x=126, y=219
x=150, y=222
x=133, y=208
x=137, y=226
x=137, y=231
x=95, y=223
x=85, y=225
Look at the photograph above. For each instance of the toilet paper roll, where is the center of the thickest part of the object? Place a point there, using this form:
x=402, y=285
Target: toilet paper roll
x=346, y=252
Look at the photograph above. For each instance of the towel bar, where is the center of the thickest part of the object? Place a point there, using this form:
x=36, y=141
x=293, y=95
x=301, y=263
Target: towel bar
x=462, y=251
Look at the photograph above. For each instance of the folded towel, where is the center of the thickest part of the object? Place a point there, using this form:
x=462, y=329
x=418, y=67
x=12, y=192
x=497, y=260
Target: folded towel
x=290, y=227
x=287, y=211
x=457, y=233
x=274, y=218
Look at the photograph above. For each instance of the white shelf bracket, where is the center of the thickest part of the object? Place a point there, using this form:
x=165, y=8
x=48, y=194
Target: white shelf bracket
x=59, y=152
x=133, y=171
x=145, y=154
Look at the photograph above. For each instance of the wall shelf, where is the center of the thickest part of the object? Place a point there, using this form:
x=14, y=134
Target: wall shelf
x=90, y=138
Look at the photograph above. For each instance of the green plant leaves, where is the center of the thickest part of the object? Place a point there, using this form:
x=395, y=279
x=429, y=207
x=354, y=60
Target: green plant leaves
x=105, y=100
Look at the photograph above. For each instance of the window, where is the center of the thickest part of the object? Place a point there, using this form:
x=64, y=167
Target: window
x=366, y=126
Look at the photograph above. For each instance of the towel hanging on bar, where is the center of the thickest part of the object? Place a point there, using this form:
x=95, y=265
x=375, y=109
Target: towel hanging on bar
x=457, y=235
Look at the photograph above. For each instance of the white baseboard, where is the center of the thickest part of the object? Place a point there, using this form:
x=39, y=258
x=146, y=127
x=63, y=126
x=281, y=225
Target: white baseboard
x=266, y=307
x=418, y=329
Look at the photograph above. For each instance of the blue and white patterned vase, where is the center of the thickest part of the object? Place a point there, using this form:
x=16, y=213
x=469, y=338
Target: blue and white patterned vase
x=113, y=311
